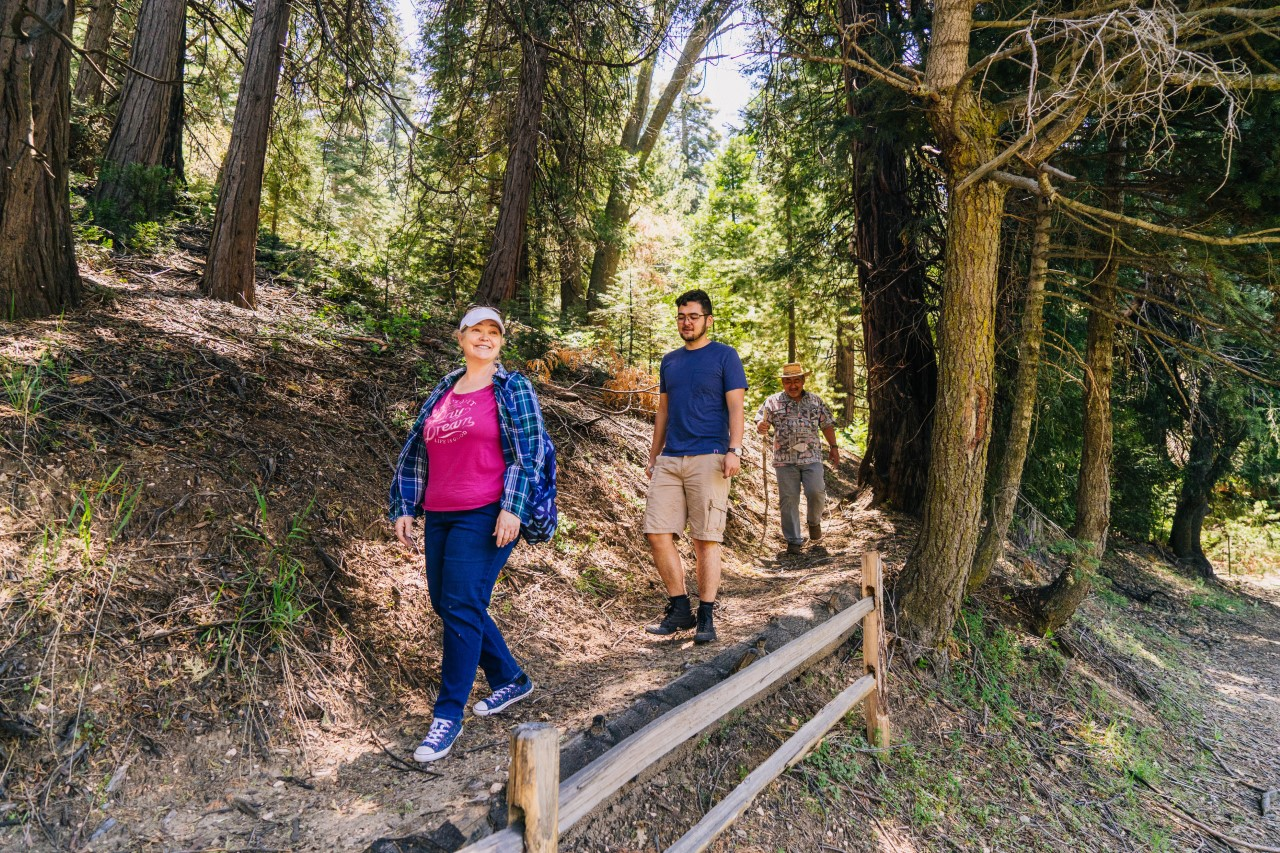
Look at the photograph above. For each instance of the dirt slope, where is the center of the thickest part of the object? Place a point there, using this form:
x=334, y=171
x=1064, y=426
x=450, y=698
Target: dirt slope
x=209, y=640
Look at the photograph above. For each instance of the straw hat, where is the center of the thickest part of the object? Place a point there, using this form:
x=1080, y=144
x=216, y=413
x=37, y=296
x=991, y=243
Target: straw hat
x=793, y=370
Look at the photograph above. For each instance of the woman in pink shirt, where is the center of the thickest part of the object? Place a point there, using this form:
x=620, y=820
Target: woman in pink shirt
x=462, y=470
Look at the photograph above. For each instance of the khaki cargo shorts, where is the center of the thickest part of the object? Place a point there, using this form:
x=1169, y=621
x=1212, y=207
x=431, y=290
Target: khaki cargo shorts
x=688, y=489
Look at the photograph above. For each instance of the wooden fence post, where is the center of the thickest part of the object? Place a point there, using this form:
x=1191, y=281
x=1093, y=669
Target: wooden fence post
x=873, y=650
x=533, y=785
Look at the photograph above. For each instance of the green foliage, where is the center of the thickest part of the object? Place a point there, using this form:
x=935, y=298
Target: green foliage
x=270, y=596
x=149, y=197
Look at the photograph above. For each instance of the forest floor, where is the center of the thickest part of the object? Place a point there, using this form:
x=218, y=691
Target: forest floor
x=209, y=639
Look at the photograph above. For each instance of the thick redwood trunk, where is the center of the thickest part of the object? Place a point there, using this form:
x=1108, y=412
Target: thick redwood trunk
x=901, y=369
x=228, y=275
x=499, y=279
x=38, y=274
x=902, y=374
x=1008, y=481
x=147, y=133
x=933, y=582
x=97, y=38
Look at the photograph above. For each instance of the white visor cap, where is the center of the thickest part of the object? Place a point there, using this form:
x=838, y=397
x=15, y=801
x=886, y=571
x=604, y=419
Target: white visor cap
x=483, y=312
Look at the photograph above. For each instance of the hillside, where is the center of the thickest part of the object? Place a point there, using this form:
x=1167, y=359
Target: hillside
x=210, y=640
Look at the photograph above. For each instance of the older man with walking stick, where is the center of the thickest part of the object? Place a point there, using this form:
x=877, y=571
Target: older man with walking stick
x=799, y=419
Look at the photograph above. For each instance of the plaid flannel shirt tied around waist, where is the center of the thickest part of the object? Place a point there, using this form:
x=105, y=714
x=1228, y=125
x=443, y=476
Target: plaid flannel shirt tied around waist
x=523, y=447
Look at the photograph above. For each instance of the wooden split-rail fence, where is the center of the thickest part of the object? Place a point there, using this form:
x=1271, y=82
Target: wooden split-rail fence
x=541, y=807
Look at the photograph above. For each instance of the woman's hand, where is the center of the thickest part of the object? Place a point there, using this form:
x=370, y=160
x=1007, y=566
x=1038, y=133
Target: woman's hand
x=404, y=532
x=507, y=528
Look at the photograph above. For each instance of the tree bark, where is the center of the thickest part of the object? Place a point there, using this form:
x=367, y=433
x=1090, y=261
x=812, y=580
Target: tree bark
x=146, y=133
x=1052, y=606
x=499, y=278
x=1093, y=485
x=901, y=368
x=38, y=274
x=932, y=584
x=902, y=373
x=846, y=378
x=97, y=38
x=1008, y=480
x=1215, y=437
x=229, y=272
x=639, y=138
x=569, y=261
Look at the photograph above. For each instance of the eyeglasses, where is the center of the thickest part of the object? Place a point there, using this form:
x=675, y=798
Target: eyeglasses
x=689, y=318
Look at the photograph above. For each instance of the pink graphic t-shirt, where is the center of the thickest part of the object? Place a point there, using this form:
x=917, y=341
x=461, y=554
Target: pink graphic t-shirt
x=464, y=452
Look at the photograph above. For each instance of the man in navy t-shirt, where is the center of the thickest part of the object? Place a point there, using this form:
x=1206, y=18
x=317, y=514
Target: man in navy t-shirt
x=696, y=449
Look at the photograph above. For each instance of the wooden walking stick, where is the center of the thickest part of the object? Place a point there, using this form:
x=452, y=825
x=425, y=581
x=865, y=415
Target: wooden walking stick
x=764, y=477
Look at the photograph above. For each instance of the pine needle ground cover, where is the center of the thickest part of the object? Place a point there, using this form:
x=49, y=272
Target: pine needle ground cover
x=210, y=640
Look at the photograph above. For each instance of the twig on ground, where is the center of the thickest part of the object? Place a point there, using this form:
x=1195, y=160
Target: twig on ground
x=404, y=765
x=1218, y=834
x=484, y=746
x=1230, y=771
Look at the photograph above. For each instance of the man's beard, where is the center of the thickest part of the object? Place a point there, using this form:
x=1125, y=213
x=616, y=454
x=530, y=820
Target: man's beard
x=691, y=336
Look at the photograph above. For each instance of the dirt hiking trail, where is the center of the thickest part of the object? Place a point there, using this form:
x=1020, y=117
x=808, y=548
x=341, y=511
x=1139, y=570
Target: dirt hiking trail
x=211, y=640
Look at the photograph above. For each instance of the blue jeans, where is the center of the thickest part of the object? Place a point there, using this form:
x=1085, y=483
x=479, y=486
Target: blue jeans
x=790, y=478
x=462, y=566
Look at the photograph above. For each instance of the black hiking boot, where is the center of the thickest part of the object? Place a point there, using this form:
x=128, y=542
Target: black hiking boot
x=678, y=617
x=706, y=632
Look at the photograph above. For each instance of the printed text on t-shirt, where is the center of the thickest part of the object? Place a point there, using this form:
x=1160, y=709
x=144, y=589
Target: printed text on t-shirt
x=450, y=421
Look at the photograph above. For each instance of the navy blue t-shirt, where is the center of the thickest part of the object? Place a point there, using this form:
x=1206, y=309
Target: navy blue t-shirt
x=695, y=382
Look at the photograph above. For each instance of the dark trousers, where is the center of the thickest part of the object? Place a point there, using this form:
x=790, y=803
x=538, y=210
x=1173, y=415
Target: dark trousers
x=462, y=566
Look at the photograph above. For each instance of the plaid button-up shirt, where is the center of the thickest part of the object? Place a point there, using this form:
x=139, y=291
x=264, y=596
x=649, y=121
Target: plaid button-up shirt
x=521, y=432
x=796, y=427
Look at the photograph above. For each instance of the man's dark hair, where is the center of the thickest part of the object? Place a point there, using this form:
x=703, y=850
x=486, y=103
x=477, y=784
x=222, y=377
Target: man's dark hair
x=699, y=296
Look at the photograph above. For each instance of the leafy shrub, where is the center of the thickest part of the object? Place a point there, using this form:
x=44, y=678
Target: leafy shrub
x=142, y=196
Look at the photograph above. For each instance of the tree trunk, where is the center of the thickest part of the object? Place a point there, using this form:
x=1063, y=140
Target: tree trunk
x=932, y=584
x=608, y=254
x=171, y=155
x=846, y=378
x=902, y=372
x=38, y=274
x=1215, y=437
x=146, y=133
x=228, y=274
x=1053, y=606
x=97, y=39
x=499, y=279
x=1093, y=485
x=564, y=203
x=639, y=138
x=1008, y=481
x=569, y=261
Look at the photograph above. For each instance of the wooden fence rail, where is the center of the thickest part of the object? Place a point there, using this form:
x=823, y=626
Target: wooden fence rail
x=540, y=811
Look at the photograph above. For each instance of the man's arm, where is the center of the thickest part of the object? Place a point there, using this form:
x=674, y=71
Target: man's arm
x=736, y=401
x=762, y=418
x=830, y=433
x=659, y=433
x=828, y=424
